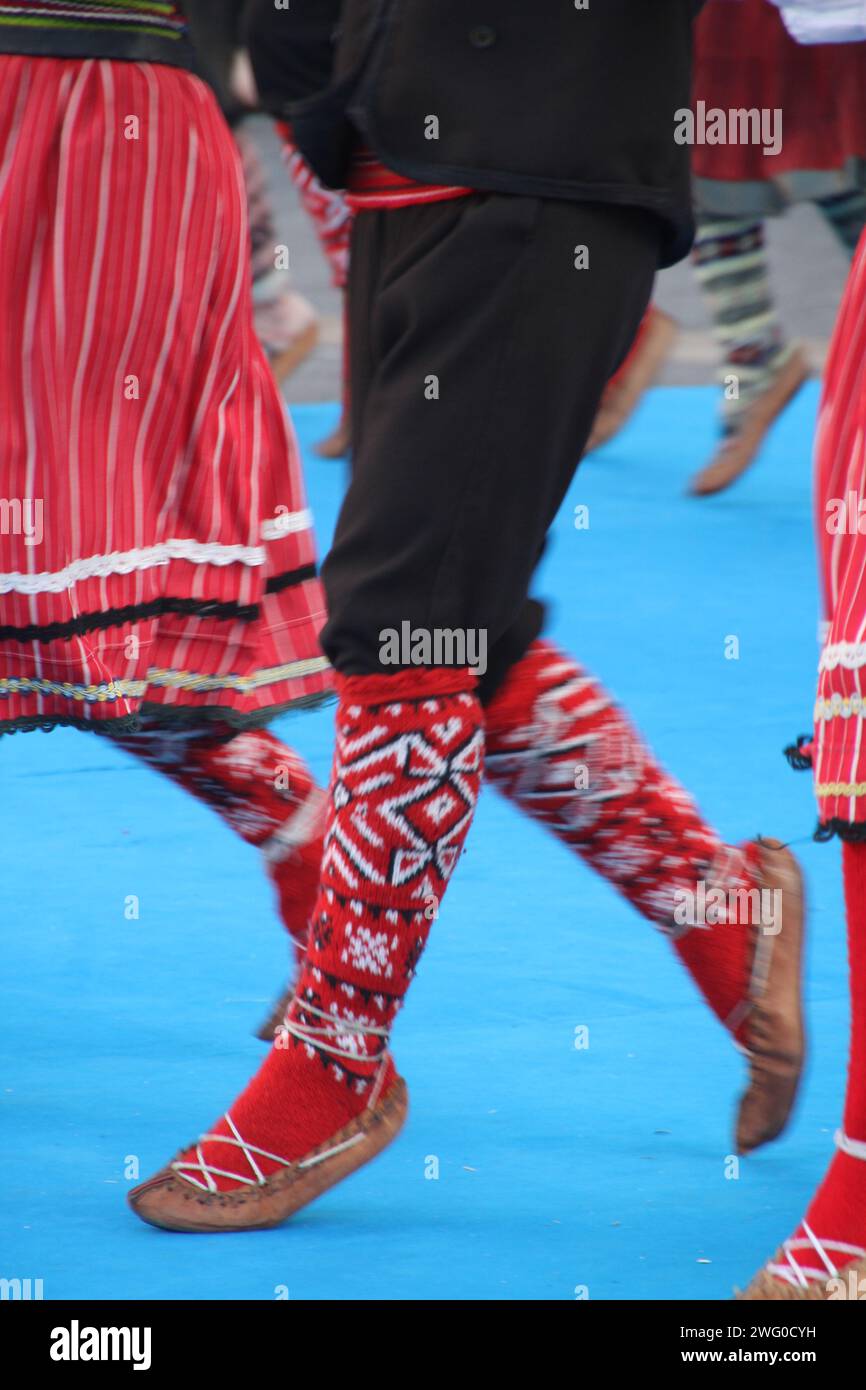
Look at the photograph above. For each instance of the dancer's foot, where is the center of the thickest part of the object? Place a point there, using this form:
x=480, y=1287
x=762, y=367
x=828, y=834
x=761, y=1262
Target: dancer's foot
x=336, y=444
x=739, y=449
x=296, y=337
x=825, y=1259
x=773, y=1033
x=748, y=966
x=326, y=1100
x=638, y=372
x=265, y=1189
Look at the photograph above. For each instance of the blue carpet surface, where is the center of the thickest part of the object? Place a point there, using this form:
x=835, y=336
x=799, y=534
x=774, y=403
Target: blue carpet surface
x=604, y=1170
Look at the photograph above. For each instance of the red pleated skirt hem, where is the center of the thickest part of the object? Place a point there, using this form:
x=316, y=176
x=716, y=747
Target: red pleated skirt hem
x=156, y=551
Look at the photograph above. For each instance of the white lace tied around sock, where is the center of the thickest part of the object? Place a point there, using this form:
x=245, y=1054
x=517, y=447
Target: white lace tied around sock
x=339, y=1036
x=202, y=1174
x=792, y=1271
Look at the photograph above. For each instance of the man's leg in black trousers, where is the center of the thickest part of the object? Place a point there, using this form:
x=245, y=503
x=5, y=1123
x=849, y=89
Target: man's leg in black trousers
x=453, y=491
x=479, y=354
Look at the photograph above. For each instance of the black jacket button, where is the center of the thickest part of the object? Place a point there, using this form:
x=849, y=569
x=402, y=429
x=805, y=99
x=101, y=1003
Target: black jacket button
x=482, y=36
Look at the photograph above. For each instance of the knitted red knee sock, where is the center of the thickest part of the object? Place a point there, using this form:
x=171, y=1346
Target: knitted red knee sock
x=560, y=748
x=407, y=768
x=833, y=1231
x=263, y=790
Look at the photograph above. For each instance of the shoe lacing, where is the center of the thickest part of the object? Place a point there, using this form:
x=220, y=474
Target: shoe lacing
x=800, y=1275
x=188, y=1168
x=340, y=1030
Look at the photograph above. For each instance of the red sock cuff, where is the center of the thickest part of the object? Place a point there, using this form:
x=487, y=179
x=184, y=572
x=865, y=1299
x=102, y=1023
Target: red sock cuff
x=417, y=684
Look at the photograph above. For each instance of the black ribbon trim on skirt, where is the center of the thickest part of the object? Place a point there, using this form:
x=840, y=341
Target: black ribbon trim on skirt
x=799, y=760
x=172, y=716
x=228, y=611
x=852, y=831
x=290, y=578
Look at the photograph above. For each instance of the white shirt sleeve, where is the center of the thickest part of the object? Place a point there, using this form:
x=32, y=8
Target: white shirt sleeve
x=824, y=21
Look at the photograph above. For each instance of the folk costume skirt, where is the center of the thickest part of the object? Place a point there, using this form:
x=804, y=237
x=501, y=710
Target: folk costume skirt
x=744, y=58
x=156, y=551
x=839, y=747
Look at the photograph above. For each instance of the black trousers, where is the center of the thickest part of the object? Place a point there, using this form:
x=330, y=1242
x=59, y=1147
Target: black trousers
x=479, y=353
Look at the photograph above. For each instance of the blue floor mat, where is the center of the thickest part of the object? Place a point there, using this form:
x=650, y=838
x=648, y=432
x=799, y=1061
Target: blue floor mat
x=604, y=1169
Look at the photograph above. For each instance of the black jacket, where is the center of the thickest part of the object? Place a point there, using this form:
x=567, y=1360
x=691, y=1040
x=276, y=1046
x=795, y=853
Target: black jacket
x=215, y=28
x=529, y=96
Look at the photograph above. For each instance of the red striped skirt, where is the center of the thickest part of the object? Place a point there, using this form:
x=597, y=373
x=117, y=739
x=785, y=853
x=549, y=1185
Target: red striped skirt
x=839, y=755
x=745, y=58
x=156, y=551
